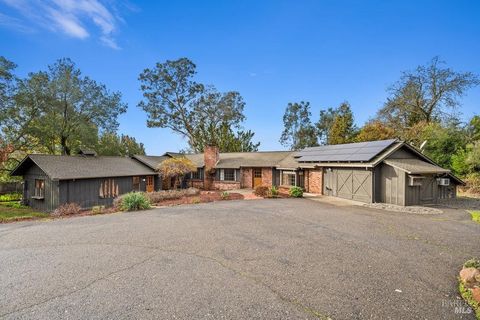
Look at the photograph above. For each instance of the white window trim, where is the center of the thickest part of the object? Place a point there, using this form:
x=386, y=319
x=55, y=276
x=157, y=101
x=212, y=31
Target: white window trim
x=222, y=175
x=288, y=173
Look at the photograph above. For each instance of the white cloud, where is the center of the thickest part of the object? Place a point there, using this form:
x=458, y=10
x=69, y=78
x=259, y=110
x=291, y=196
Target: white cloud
x=74, y=18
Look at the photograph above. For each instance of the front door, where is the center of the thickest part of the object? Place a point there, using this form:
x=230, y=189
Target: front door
x=150, y=184
x=257, y=177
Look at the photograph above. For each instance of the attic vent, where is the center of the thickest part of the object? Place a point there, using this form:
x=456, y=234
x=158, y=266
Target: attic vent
x=87, y=153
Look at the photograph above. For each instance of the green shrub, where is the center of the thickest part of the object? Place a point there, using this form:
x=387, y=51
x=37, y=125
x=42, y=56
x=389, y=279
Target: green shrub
x=224, y=195
x=261, y=191
x=98, y=209
x=196, y=200
x=296, y=192
x=14, y=196
x=472, y=263
x=134, y=201
x=14, y=204
x=273, y=192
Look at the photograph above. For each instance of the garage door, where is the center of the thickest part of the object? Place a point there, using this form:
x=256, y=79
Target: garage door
x=354, y=184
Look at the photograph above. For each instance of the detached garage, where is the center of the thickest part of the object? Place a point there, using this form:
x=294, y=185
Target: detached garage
x=348, y=183
x=388, y=171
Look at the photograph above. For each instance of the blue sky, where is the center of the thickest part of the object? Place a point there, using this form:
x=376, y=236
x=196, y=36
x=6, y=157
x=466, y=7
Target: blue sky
x=272, y=52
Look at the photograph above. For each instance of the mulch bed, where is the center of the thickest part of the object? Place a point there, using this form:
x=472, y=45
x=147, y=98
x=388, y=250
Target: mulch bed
x=203, y=197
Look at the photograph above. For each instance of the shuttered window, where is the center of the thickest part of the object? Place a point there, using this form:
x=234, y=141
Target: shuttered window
x=39, y=188
x=108, y=189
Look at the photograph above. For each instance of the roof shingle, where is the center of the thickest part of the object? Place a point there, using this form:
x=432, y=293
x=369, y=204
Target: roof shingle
x=84, y=167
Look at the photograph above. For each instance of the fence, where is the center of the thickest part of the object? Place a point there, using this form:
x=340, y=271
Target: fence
x=8, y=187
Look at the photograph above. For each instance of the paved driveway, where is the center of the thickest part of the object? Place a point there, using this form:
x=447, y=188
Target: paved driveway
x=263, y=259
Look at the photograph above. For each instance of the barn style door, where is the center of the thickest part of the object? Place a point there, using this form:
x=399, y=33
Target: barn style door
x=355, y=184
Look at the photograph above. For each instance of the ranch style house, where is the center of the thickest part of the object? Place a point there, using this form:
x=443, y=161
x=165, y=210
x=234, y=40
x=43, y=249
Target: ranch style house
x=388, y=171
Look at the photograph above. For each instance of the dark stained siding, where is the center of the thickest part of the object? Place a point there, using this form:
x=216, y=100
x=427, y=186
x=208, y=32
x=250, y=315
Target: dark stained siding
x=377, y=183
x=86, y=192
x=50, y=200
x=276, y=177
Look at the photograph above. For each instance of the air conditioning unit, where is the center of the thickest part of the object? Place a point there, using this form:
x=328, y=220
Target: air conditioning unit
x=443, y=181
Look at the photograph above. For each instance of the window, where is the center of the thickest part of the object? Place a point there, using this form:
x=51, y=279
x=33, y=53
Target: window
x=136, y=184
x=227, y=175
x=39, y=188
x=288, y=178
x=196, y=175
x=257, y=173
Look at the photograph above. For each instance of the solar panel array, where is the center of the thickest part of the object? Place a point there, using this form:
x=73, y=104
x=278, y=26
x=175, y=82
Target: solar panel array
x=350, y=152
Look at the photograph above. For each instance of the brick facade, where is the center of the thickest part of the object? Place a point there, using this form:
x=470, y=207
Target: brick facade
x=314, y=183
x=210, y=156
x=246, y=178
x=267, y=177
x=225, y=185
x=196, y=184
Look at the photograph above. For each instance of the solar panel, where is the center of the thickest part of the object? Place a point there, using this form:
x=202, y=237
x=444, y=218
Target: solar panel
x=355, y=152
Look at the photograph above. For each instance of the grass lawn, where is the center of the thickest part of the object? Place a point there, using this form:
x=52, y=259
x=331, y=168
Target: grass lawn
x=475, y=216
x=13, y=211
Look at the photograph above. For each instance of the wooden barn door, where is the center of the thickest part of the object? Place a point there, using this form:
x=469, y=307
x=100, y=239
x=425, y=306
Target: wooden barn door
x=150, y=184
x=355, y=184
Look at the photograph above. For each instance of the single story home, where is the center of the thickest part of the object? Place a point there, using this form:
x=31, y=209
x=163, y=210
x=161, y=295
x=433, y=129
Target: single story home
x=388, y=171
x=86, y=179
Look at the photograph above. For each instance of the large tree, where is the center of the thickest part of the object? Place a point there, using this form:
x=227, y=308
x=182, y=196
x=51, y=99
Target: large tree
x=429, y=93
x=375, y=130
x=337, y=125
x=174, y=100
x=325, y=123
x=111, y=144
x=226, y=139
x=298, y=132
x=63, y=110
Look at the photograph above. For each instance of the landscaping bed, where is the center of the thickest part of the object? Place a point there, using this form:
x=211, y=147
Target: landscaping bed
x=469, y=284
x=201, y=197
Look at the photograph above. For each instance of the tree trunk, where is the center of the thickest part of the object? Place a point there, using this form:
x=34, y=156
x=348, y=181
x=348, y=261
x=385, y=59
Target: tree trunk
x=65, y=148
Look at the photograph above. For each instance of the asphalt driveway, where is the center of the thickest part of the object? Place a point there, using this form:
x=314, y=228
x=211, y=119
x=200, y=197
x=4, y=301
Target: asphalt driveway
x=263, y=259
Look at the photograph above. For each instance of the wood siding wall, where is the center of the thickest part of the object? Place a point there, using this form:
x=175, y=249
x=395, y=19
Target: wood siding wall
x=392, y=186
x=86, y=192
x=50, y=200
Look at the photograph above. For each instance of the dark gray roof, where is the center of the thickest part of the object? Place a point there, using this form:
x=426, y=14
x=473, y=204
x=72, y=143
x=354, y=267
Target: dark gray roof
x=349, y=152
x=251, y=159
x=151, y=161
x=83, y=167
x=415, y=166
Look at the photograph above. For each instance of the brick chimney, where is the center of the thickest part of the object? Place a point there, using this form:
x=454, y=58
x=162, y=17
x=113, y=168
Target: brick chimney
x=211, y=156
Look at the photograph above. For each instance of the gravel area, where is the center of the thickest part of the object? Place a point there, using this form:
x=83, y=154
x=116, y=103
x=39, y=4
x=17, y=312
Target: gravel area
x=461, y=203
x=407, y=209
